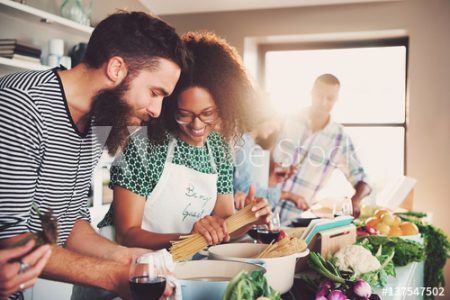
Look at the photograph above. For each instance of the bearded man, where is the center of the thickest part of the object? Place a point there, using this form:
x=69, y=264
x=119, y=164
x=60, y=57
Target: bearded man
x=50, y=143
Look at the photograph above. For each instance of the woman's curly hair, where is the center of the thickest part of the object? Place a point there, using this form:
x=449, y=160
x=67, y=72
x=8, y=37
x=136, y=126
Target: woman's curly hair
x=217, y=67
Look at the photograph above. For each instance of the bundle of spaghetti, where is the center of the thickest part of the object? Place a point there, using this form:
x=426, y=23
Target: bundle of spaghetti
x=191, y=244
x=286, y=246
x=266, y=250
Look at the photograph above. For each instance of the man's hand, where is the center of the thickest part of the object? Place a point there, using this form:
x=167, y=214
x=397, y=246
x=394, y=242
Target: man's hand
x=278, y=174
x=362, y=190
x=298, y=200
x=122, y=282
x=12, y=278
x=356, y=204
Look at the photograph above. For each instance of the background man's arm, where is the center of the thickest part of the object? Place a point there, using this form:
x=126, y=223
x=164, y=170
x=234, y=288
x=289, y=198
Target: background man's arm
x=362, y=190
x=352, y=167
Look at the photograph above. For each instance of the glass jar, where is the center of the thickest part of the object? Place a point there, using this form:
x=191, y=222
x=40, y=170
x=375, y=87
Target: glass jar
x=78, y=11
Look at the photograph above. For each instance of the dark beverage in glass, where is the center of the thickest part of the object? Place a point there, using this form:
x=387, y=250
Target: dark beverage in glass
x=267, y=236
x=145, y=288
x=264, y=235
x=253, y=233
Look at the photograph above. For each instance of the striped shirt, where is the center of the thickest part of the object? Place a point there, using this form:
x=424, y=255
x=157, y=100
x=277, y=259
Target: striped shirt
x=43, y=157
x=318, y=155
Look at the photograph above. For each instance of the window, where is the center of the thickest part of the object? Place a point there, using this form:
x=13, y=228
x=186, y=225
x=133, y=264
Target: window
x=371, y=105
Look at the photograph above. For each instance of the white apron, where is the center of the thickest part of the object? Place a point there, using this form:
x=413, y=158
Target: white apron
x=181, y=197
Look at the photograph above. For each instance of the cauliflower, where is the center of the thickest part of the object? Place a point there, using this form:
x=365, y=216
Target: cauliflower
x=357, y=259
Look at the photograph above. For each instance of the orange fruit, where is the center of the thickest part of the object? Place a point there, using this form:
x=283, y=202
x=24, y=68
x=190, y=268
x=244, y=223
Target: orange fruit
x=397, y=221
x=383, y=229
x=395, y=231
x=388, y=219
x=409, y=228
x=380, y=212
x=372, y=222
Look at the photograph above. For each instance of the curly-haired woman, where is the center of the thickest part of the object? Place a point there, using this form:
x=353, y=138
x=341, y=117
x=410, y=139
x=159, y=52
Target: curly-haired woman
x=180, y=180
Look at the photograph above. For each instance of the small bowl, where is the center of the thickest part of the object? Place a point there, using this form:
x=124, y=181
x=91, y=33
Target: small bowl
x=302, y=222
x=208, y=279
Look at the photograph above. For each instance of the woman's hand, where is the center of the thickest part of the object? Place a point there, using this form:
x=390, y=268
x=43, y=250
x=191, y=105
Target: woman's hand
x=261, y=208
x=263, y=212
x=239, y=200
x=13, y=276
x=213, y=228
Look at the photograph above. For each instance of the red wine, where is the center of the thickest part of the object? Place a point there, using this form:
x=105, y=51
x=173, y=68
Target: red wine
x=144, y=288
x=267, y=236
x=253, y=233
x=263, y=235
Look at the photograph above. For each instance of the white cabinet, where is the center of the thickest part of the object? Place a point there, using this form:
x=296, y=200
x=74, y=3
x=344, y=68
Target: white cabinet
x=35, y=27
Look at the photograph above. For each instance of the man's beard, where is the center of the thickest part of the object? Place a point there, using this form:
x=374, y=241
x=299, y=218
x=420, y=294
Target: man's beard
x=111, y=110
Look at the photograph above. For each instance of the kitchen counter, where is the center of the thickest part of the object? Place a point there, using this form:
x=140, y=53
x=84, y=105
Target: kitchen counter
x=408, y=284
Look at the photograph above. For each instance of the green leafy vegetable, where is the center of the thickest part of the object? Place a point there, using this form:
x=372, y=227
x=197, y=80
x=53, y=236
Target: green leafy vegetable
x=249, y=285
x=437, y=248
x=406, y=251
x=48, y=234
x=379, y=278
x=321, y=266
x=359, y=223
x=376, y=278
x=416, y=214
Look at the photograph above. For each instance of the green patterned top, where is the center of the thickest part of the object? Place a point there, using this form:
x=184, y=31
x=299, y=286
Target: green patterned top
x=140, y=166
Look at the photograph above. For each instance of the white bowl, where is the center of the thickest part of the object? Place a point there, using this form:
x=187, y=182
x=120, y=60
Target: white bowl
x=279, y=270
x=208, y=279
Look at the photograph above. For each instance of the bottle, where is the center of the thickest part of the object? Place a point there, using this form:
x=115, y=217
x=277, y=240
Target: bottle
x=76, y=11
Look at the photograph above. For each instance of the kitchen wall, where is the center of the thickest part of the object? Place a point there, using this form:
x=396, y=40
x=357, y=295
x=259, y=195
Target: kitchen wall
x=428, y=25
x=427, y=22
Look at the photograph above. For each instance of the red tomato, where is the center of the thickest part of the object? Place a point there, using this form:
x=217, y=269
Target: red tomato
x=282, y=235
x=372, y=231
x=362, y=233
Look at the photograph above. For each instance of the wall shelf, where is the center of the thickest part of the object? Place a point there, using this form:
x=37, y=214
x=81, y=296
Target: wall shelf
x=27, y=12
x=21, y=64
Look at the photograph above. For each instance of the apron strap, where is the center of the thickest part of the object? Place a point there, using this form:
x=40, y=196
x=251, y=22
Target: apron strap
x=211, y=156
x=171, y=150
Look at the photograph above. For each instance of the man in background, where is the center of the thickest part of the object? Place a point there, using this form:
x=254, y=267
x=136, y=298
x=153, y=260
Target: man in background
x=49, y=128
x=317, y=146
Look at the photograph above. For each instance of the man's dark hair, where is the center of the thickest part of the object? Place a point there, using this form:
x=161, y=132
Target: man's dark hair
x=327, y=79
x=138, y=38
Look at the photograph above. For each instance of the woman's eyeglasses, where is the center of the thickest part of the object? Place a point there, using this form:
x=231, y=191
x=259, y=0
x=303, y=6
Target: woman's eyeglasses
x=186, y=117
